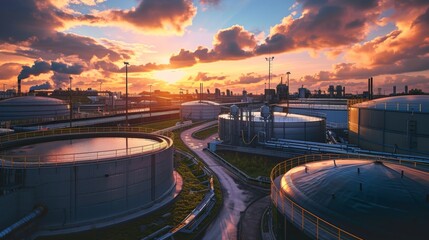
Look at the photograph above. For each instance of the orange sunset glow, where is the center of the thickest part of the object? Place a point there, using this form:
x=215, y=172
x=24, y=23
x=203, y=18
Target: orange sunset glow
x=172, y=44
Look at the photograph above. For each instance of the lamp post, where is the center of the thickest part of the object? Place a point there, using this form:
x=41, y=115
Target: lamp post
x=269, y=59
x=71, y=103
x=150, y=100
x=126, y=93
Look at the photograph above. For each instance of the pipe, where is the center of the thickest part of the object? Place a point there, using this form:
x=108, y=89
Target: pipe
x=26, y=220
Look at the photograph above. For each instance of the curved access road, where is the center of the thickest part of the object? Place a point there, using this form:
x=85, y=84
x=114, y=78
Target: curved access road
x=235, y=199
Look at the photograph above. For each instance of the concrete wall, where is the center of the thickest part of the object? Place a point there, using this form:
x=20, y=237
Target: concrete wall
x=381, y=130
x=90, y=192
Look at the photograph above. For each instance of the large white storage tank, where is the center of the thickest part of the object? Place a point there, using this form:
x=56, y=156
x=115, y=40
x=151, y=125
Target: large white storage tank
x=200, y=110
x=248, y=126
x=394, y=124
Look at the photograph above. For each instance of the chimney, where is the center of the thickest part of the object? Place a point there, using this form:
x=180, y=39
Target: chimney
x=19, y=86
x=369, y=88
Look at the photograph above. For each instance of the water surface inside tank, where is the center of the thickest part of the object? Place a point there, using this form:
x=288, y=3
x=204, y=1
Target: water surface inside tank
x=83, y=149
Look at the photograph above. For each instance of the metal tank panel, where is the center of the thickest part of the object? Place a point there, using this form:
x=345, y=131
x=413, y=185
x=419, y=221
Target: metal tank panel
x=91, y=191
x=196, y=110
x=388, y=126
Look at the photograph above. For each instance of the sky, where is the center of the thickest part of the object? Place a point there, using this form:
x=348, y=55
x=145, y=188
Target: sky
x=173, y=44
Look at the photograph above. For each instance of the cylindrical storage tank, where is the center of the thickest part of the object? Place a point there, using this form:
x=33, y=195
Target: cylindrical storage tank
x=351, y=197
x=31, y=107
x=334, y=110
x=200, y=110
x=282, y=126
x=85, y=179
x=395, y=124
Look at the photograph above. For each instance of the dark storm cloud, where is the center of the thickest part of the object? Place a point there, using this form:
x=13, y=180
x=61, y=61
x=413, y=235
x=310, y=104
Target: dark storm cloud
x=156, y=15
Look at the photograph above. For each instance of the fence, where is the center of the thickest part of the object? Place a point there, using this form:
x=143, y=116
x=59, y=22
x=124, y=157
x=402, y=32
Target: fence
x=305, y=220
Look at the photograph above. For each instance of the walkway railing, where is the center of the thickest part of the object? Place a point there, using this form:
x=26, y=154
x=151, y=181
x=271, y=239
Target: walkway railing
x=73, y=158
x=305, y=220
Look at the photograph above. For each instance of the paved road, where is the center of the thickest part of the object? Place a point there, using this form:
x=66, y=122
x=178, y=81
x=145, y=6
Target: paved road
x=235, y=198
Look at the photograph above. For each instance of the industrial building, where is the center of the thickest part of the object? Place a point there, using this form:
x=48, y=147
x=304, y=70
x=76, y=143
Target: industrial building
x=350, y=197
x=32, y=107
x=200, y=110
x=396, y=124
x=83, y=179
x=245, y=126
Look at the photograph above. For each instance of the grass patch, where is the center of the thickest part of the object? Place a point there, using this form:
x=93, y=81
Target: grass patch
x=253, y=165
x=159, y=125
x=205, y=133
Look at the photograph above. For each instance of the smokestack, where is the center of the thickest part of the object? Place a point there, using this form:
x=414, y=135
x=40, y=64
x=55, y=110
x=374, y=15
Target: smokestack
x=394, y=90
x=372, y=88
x=369, y=88
x=19, y=86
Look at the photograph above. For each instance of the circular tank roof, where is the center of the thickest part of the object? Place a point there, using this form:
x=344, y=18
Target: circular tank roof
x=30, y=107
x=387, y=205
x=278, y=117
x=31, y=101
x=200, y=103
x=406, y=103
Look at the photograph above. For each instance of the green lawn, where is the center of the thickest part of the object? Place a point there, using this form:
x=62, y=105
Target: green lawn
x=159, y=125
x=253, y=165
x=205, y=133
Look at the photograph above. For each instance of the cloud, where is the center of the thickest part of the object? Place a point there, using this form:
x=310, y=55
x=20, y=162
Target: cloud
x=8, y=70
x=403, y=50
x=45, y=85
x=204, y=77
x=210, y=2
x=154, y=15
